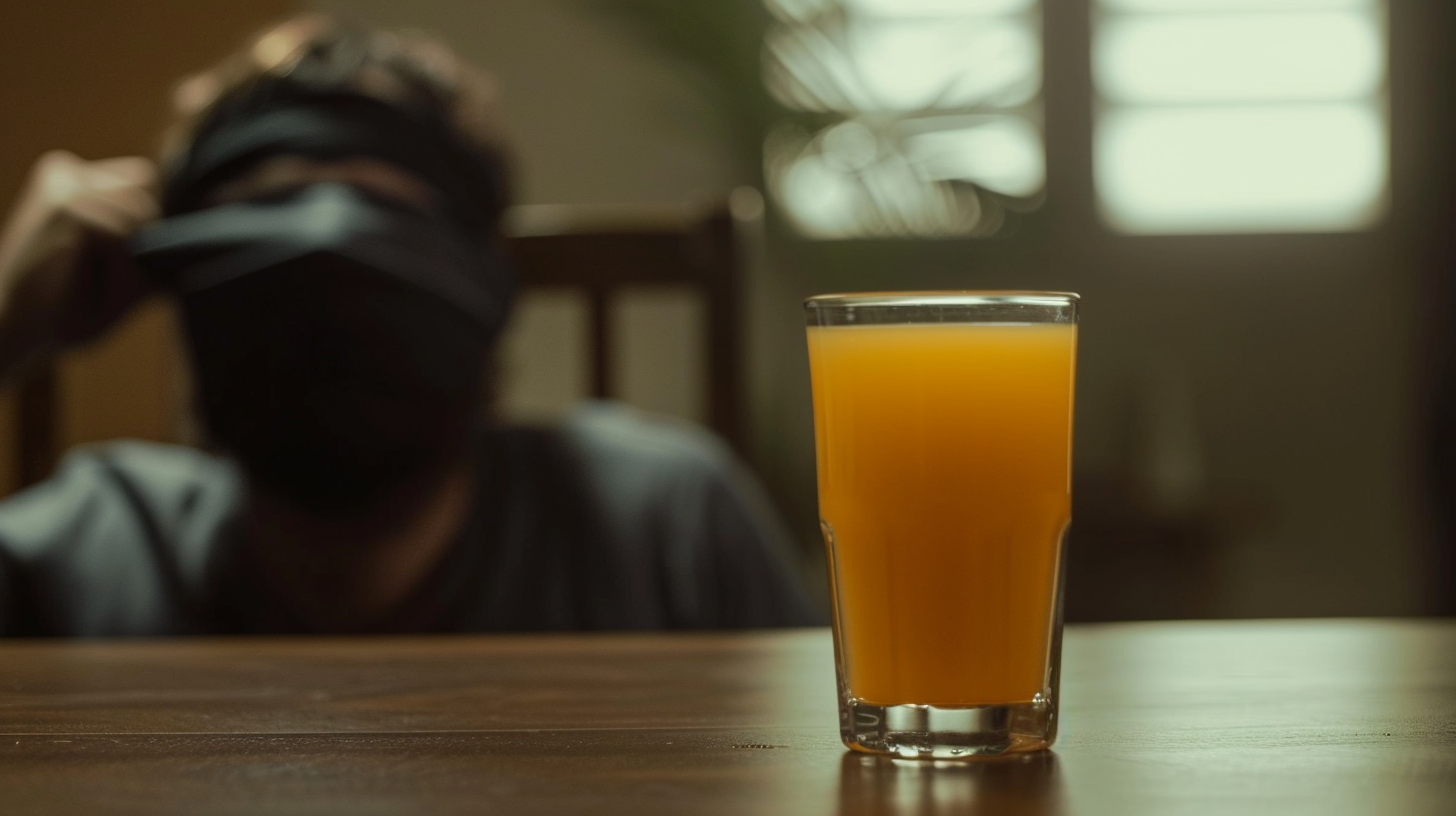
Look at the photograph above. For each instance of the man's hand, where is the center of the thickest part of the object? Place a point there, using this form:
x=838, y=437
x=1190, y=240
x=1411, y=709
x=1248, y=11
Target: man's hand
x=65, y=273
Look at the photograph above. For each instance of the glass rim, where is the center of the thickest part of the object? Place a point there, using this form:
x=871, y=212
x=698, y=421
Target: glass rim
x=969, y=297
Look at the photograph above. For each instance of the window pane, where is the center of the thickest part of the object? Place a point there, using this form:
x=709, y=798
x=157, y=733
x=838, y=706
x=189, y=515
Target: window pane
x=924, y=115
x=807, y=9
x=1243, y=57
x=897, y=65
x=931, y=8
x=914, y=178
x=1259, y=169
x=1001, y=153
x=1186, y=6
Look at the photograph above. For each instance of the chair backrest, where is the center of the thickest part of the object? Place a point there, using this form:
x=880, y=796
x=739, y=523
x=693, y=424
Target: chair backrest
x=604, y=252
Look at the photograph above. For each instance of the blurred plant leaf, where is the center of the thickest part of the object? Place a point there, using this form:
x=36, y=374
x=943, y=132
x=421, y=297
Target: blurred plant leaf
x=721, y=42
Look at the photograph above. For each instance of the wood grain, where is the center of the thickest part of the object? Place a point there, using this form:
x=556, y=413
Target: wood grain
x=1329, y=717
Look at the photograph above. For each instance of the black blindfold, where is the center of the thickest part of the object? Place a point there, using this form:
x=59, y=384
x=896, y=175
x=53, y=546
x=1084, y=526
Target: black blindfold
x=210, y=248
x=282, y=116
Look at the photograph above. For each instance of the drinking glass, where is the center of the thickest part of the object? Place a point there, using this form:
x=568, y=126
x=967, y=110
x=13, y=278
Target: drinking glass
x=943, y=432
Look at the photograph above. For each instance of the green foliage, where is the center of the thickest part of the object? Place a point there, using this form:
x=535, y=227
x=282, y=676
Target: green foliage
x=720, y=43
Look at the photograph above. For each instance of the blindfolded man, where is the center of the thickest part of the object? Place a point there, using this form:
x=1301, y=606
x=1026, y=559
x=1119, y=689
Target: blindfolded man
x=326, y=218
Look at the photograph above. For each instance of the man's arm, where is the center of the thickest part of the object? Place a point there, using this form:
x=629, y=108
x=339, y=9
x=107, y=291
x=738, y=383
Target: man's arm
x=65, y=272
x=117, y=542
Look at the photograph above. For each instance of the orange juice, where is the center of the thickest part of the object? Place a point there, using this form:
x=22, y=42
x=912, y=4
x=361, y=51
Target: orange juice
x=944, y=459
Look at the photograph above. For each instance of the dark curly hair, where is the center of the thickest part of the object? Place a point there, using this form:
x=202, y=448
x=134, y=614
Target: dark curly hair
x=412, y=74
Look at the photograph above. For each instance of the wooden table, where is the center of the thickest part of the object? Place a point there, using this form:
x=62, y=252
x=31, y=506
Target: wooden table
x=1320, y=717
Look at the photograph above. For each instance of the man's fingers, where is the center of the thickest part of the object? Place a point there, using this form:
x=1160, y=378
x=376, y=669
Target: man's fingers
x=113, y=195
x=100, y=214
x=131, y=171
x=53, y=159
x=59, y=177
x=62, y=177
x=136, y=204
x=63, y=252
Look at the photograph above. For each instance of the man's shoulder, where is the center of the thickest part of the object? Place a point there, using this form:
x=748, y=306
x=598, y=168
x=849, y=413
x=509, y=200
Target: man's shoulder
x=107, y=543
x=664, y=482
x=155, y=466
x=647, y=478
x=676, y=496
x=167, y=481
x=633, y=442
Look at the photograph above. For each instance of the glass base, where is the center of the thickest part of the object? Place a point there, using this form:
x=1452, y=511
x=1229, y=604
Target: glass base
x=934, y=732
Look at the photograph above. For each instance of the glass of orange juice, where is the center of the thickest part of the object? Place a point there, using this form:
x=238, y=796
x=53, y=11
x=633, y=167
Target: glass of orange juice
x=943, y=430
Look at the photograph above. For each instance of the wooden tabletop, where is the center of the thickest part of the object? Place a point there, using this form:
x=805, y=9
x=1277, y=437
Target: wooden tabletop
x=1247, y=718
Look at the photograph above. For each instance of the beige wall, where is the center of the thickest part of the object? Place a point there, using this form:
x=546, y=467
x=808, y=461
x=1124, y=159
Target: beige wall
x=593, y=119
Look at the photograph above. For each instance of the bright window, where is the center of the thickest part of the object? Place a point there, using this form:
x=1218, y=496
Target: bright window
x=1221, y=116
x=910, y=117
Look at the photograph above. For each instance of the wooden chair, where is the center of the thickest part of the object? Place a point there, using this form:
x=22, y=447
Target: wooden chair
x=603, y=251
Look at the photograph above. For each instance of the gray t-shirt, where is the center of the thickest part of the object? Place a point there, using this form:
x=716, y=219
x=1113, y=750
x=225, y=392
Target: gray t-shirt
x=608, y=521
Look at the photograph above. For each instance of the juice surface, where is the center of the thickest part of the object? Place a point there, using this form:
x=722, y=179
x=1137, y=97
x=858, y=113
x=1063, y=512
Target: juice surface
x=944, y=458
